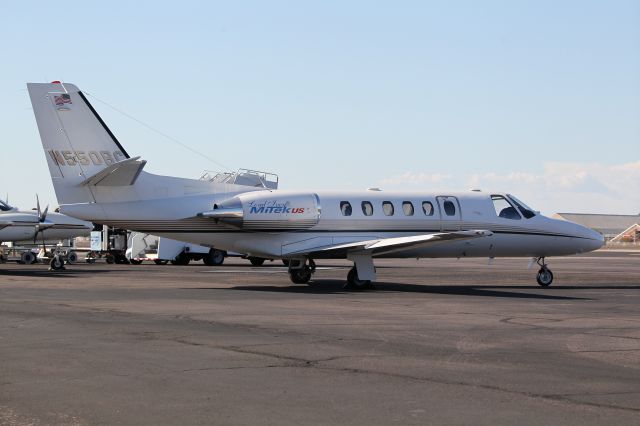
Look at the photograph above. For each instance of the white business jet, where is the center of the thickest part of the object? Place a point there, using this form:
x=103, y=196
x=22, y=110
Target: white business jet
x=96, y=179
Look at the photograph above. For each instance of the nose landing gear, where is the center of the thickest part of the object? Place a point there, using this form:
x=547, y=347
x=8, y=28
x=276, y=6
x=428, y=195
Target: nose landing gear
x=545, y=276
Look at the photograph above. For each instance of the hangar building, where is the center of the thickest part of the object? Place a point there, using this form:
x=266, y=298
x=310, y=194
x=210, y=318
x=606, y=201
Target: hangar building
x=616, y=227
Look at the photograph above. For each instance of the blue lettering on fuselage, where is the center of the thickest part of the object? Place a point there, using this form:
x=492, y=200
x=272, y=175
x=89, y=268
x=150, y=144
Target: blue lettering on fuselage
x=273, y=207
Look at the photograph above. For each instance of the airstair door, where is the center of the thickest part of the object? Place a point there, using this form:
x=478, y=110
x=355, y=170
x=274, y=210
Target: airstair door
x=450, y=216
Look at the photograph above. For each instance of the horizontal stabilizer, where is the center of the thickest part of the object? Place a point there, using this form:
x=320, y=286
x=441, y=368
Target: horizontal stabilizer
x=122, y=173
x=384, y=246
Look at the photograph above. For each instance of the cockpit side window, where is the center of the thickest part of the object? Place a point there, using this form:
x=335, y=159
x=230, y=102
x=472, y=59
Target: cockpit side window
x=345, y=208
x=503, y=208
x=524, y=209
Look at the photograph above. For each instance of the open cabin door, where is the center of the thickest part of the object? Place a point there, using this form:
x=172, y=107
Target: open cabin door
x=450, y=216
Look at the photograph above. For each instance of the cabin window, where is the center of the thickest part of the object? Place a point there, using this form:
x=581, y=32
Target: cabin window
x=387, y=208
x=407, y=208
x=367, y=208
x=449, y=208
x=345, y=208
x=427, y=208
x=503, y=208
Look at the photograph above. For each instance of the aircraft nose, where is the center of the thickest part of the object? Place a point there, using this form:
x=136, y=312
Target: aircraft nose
x=593, y=240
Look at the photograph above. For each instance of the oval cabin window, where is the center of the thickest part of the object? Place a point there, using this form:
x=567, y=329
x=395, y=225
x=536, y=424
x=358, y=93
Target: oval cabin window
x=407, y=208
x=449, y=208
x=367, y=208
x=427, y=208
x=387, y=208
x=345, y=208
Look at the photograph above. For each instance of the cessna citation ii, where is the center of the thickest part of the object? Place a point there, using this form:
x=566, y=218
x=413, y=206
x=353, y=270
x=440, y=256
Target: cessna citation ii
x=95, y=179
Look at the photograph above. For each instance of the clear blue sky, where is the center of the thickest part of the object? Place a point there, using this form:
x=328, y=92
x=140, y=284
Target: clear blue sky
x=541, y=98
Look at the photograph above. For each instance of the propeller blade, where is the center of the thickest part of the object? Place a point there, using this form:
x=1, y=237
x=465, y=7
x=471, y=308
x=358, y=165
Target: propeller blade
x=38, y=205
x=44, y=214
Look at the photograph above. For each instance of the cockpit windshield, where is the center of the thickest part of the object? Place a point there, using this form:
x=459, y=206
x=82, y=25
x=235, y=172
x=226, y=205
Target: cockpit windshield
x=526, y=211
x=5, y=207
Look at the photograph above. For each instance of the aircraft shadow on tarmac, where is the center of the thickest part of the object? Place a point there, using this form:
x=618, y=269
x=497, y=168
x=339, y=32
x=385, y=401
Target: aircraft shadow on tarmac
x=43, y=273
x=337, y=286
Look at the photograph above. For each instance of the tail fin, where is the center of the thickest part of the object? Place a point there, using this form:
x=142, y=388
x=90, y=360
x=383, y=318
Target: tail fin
x=77, y=143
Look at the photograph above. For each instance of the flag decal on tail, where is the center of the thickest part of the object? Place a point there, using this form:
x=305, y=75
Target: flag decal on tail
x=62, y=102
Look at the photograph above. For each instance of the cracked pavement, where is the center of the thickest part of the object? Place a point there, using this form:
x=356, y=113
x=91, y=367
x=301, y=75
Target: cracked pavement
x=438, y=342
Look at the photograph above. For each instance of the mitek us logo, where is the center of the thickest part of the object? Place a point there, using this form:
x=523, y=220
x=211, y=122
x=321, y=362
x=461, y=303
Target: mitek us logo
x=266, y=207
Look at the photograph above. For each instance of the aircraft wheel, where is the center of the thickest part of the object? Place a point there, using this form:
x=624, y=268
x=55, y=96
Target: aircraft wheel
x=544, y=277
x=356, y=283
x=214, y=258
x=182, y=259
x=256, y=261
x=301, y=275
x=72, y=257
x=135, y=261
x=160, y=261
x=56, y=264
x=27, y=258
x=111, y=259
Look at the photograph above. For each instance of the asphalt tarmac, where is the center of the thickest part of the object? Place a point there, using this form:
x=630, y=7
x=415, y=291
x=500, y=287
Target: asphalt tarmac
x=437, y=342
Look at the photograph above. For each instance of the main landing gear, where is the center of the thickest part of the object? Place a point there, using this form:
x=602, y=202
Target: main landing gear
x=300, y=272
x=355, y=283
x=545, y=276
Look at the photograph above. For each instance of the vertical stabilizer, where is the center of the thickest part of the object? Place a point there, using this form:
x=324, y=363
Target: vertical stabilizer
x=77, y=143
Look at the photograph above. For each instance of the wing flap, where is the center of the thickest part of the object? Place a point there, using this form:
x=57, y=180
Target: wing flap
x=377, y=247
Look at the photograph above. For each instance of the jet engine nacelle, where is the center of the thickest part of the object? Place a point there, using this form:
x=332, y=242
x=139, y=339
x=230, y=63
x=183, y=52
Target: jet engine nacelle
x=264, y=211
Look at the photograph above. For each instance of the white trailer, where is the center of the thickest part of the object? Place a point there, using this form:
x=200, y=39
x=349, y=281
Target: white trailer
x=162, y=250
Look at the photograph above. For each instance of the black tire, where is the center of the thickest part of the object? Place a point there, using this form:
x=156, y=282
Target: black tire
x=111, y=259
x=214, y=258
x=135, y=261
x=27, y=258
x=72, y=257
x=285, y=262
x=160, y=261
x=56, y=264
x=256, y=261
x=182, y=259
x=300, y=275
x=356, y=283
x=544, y=277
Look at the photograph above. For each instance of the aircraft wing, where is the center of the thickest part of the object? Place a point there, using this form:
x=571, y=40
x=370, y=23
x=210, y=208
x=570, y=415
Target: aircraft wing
x=5, y=223
x=377, y=247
